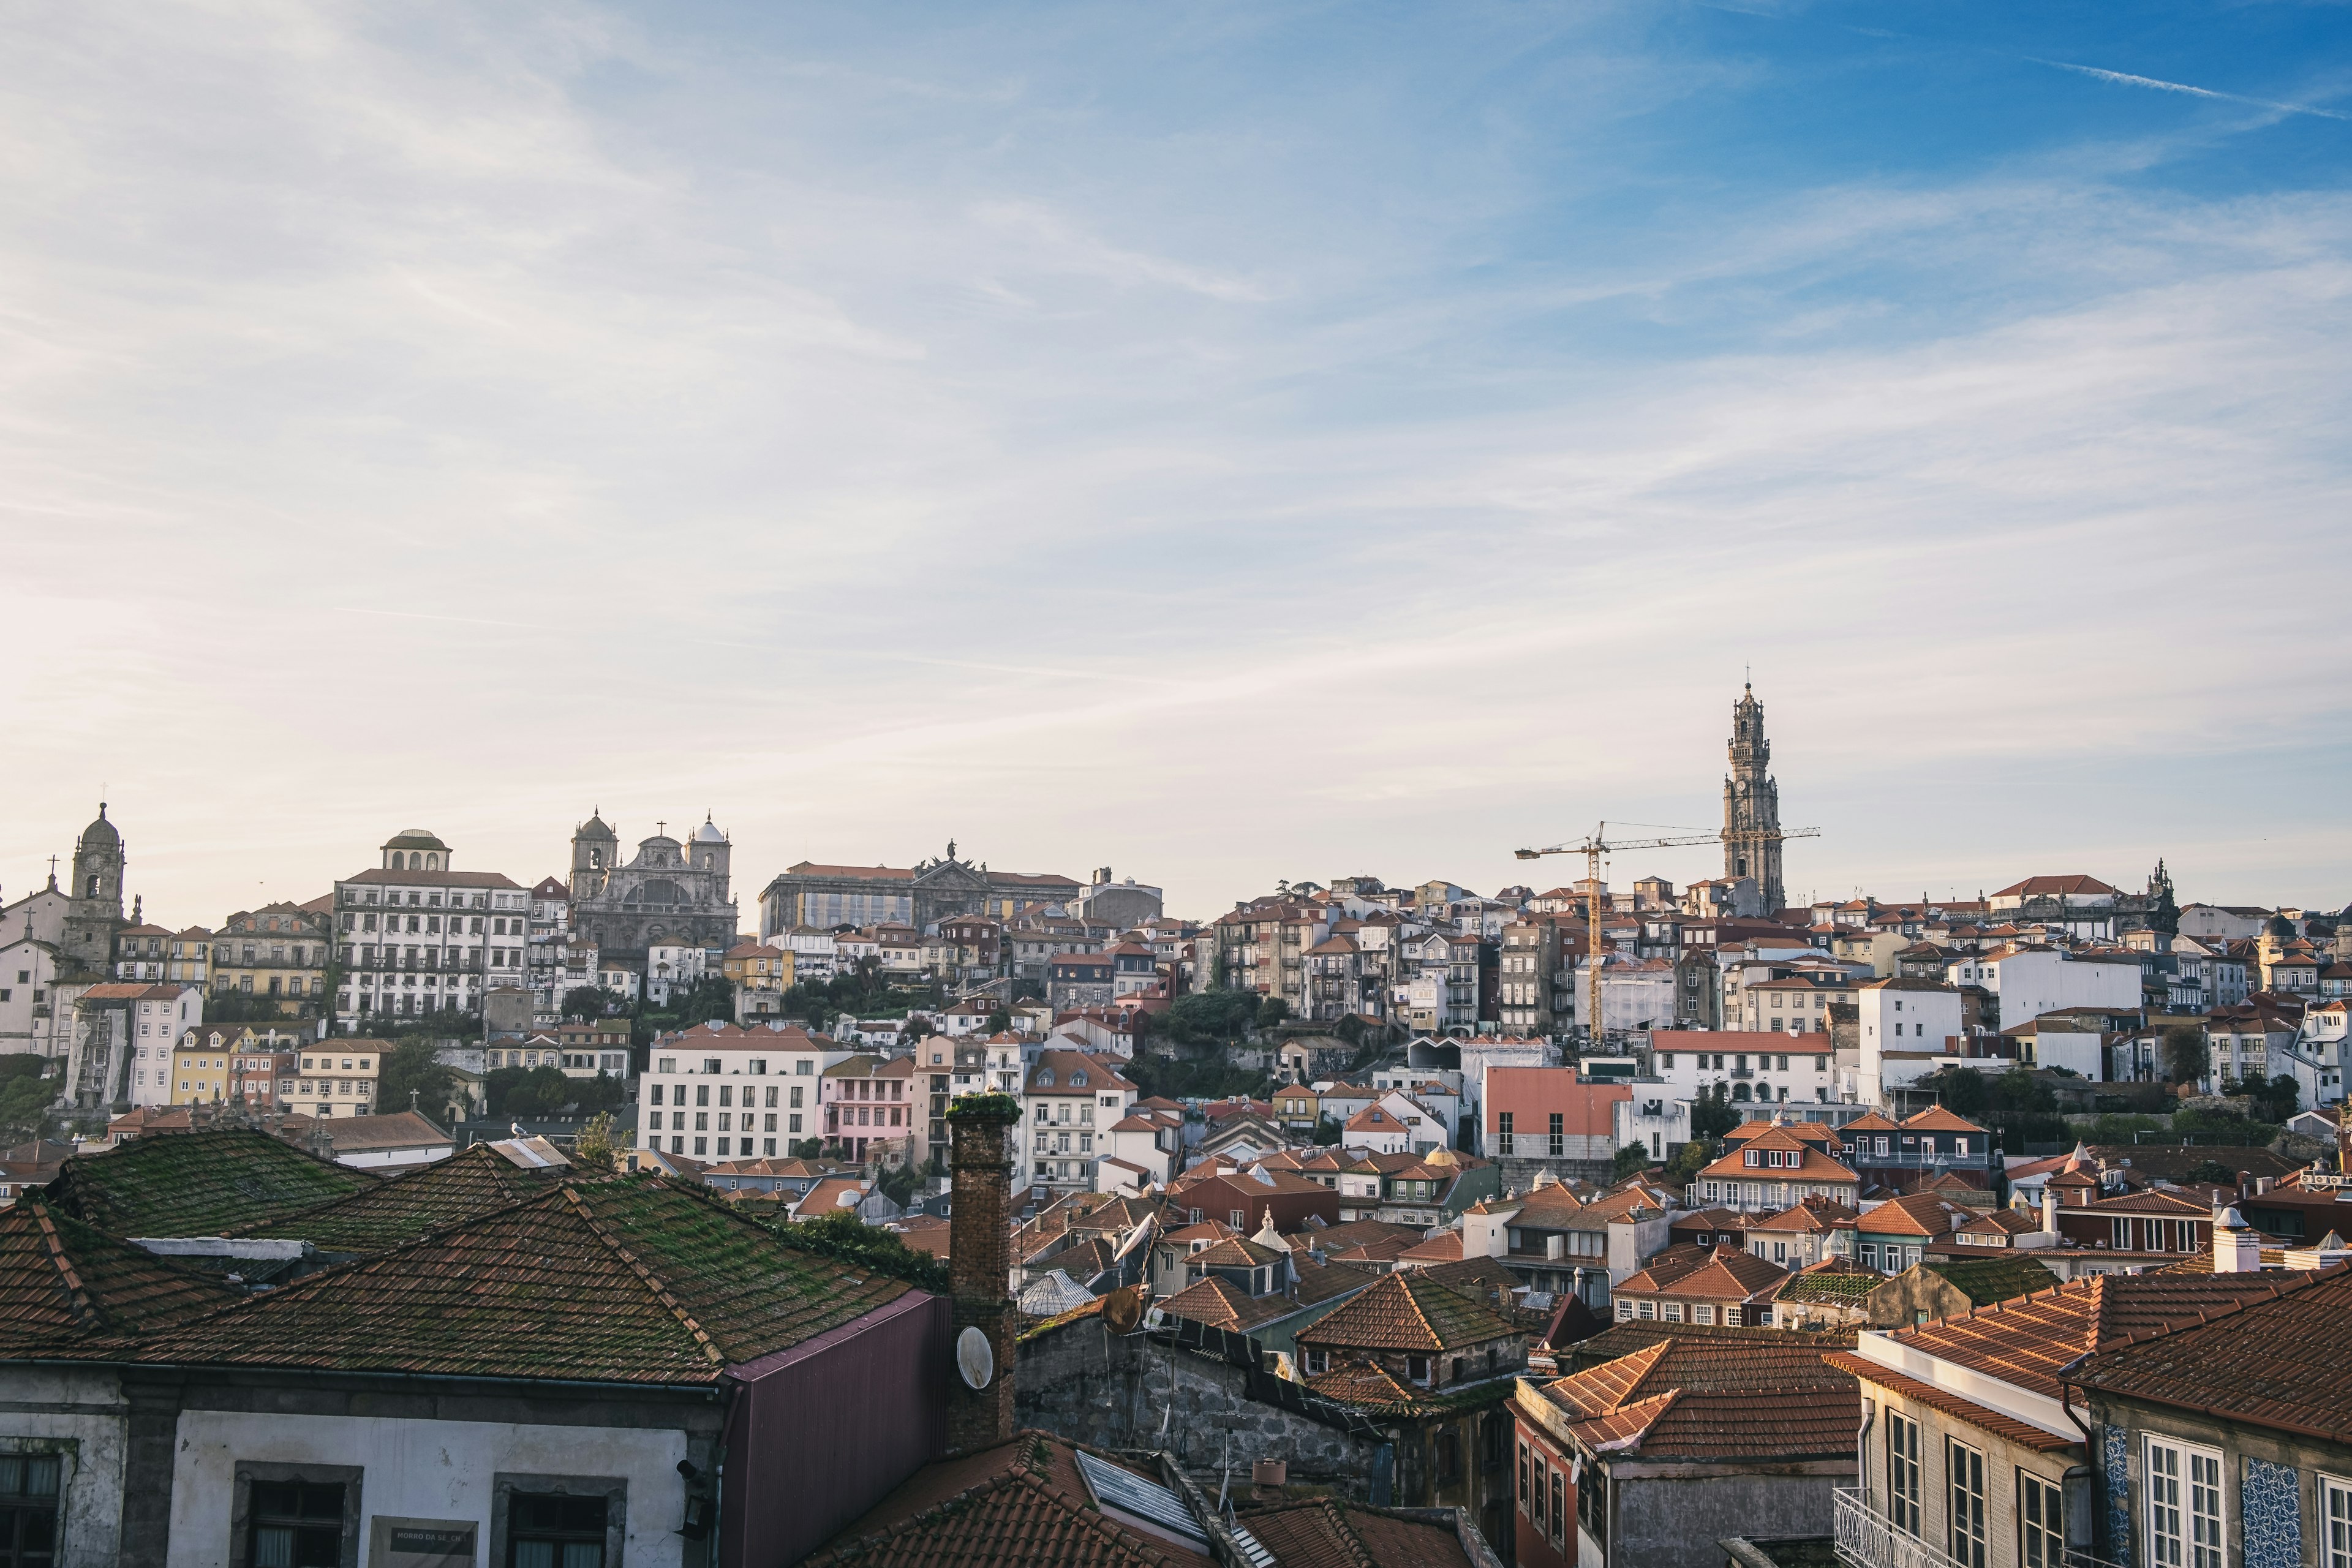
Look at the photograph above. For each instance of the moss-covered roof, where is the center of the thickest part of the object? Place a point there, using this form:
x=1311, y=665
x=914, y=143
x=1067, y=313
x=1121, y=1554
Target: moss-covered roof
x=641, y=1281
x=387, y=1214
x=198, y=1184
x=1984, y=1280
x=60, y=1278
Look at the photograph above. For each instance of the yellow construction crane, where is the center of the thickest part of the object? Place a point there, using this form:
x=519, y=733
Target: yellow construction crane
x=1593, y=848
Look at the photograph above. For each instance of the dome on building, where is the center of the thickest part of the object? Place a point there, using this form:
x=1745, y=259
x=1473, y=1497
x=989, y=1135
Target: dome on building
x=100, y=831
x=708, y=832
x=414, y=838
x=595, y=827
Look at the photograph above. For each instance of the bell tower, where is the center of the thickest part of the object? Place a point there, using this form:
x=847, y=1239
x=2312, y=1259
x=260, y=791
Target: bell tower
x=594, y=849
x=94, y=908
x=1751, y=804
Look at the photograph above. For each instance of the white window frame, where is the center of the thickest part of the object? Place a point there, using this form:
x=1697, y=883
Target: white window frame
x=1905, y=1489
x=2174, y=1487
x=1964, y=1504
x=2334, y=1522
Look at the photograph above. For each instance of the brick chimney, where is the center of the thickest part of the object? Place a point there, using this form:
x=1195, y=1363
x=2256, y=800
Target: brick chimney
x=980, y=1263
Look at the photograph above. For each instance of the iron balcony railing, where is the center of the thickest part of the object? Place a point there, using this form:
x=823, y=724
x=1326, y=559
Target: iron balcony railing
x=1868, y=1539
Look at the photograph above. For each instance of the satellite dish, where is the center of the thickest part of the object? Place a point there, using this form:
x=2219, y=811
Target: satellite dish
x=1123, y=1309
x=974, y=1358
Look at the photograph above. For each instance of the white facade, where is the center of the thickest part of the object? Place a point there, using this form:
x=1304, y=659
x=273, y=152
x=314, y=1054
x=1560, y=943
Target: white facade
x=2032, y=981
x=29, y=1009
x=730, y=1094
x=1905, y=1025
x=418, y=940
x=1749, y=1067
x=424, y=1469
x=671, y=965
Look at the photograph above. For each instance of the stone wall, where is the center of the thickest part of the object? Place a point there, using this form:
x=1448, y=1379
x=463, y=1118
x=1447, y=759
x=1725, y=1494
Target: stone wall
x=1124, y=1391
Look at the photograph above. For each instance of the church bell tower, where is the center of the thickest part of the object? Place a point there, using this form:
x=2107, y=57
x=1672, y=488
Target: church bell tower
x=94, y=907
x=1751, y=805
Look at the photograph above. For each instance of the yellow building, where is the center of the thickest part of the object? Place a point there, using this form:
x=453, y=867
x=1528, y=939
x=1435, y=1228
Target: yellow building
x=191, y=958
x=279, y=949
x=337, y=1077
x=755, y=966
x=201, y=1073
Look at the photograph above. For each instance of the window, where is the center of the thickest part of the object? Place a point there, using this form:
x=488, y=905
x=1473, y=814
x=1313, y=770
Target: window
x=2042, y=1525
x=2334, y=1522
x=296, y=1523
x=1416, y=1367
x=1317, y=1363
x=1964, y=1469
x=2180, y=1537
x=555, y=1531
x=29, y=1510
x=1903, y=1473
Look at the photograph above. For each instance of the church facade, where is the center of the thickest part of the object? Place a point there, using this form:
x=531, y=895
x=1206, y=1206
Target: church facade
x=921, y=895
x=1751, y=806
x=669, y=891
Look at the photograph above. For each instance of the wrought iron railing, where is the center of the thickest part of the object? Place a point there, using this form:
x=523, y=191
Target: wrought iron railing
x=1868, y=1539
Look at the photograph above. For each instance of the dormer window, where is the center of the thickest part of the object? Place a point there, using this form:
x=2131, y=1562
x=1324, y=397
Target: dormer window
x=1044, y=1078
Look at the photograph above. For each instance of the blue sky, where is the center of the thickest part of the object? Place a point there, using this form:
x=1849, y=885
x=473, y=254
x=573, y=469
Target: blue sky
x=1225, y=442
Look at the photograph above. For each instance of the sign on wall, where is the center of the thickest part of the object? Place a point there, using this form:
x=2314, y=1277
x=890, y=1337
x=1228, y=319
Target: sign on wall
x=421, y=1542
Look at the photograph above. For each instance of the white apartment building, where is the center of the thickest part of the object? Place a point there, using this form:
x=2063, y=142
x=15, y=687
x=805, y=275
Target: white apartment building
x=672, y=964
x=2031, y=980
x=1758, y=1066
x=337, y=1077
x=1905, y=1025
x=414, y=936
x=156, y=1018
x=1069, y=1097
x=720, y=1092
x=546, y=939
x=32, y=1017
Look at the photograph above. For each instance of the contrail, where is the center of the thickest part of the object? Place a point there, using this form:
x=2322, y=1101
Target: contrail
x=2126, y=78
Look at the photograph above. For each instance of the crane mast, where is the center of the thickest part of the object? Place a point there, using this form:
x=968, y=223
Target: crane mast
x=1593, y=847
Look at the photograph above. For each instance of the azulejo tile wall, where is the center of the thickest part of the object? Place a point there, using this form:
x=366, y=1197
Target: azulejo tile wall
x=2114, y=1459
x=2270, y=1504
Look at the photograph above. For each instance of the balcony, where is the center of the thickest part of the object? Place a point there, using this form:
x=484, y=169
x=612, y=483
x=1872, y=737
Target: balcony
x=1868, y=1539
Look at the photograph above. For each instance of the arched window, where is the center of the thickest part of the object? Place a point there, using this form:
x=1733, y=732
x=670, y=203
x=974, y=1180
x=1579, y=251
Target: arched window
x=399, y=861
x=1739, y=1091
x=595, y=859
x=433, y=862
x=93, y=886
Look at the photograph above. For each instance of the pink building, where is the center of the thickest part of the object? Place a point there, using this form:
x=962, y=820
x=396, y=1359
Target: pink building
x=869, y=1109
x=1549, y=1113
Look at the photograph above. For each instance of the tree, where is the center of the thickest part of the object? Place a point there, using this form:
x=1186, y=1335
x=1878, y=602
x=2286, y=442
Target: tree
x=1963, y=1091
x=1351, y=1028
x=586, y=1002
x=408, y=1067
x=25, y=1094
x=1631, y=1160
x=806, y=1148
x=1711, y=1112
x=1207, y=1017
x=999, y=1021
x=1328, y=1131
x=2019, y=1093
x=1271, y=1010
x=593, y=1150
x=519, y=1092
x=899, y=1184
x=1689, y=1160
x=2184, y=1053
x=2277, y=1099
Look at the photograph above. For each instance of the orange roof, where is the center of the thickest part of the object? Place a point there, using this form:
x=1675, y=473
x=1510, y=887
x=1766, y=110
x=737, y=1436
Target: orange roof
x=1754, y=1395
x=1936, y=1119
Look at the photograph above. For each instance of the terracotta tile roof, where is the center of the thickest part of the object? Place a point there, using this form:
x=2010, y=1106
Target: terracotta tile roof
x=2025, y=1434
x=1816, y=1166
x=1321, y=1281
x=1326, y=1532
x=1936, y=1119
x=639, y=1279
x=1352, y=1233
x=1764, y=1396
x=1815, y=1216
x=2274, y=1361
x=59, y=1278
x=1444, y=1247
x=1838, y=1281
x=473, y=1182
x=1227, y=1306
x=1023, y=1502
x=1664, y=1268
x=2026, y=1340
x=1406, y=1311
x=198, y=1184
x=1914, y=1214
x=1235, y=1252
x=1362, y=1383
x=1730, y=1275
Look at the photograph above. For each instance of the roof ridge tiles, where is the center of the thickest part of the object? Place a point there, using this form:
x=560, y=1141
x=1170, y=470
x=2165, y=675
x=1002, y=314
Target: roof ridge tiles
x=653, y=1281
x=85, y=1308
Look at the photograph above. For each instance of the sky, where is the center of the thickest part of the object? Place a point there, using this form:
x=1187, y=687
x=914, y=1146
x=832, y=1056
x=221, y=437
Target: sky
x=1223, y=442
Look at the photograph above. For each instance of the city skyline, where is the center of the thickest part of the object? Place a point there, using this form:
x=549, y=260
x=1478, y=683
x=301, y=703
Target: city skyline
x=1177, y=441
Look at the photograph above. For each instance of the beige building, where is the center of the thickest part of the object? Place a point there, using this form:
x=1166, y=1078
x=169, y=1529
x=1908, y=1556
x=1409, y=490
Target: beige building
x=337, y=1077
